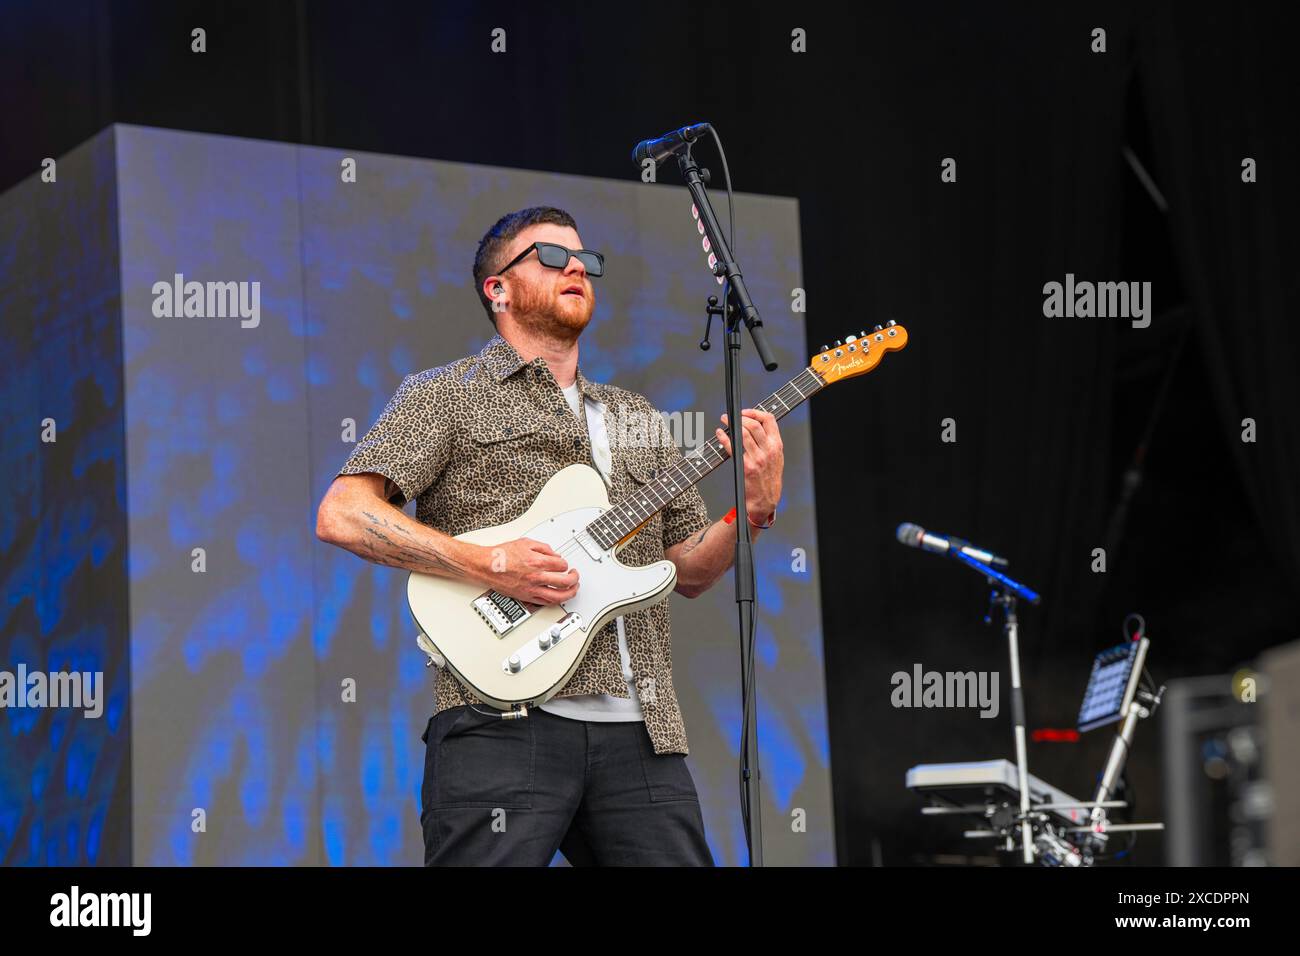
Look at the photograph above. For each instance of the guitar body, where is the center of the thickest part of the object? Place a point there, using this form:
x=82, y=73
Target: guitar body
x=507, y=652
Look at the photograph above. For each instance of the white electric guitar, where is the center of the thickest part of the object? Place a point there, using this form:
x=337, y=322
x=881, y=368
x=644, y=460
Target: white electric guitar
x=508, y=652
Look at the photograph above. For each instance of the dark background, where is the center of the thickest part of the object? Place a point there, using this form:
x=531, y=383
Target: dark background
x=1049, y=412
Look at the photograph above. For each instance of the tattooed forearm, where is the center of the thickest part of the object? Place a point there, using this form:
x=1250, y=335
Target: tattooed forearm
x=385, y=535
x=706, y=557
x=396, y=555
x=408, y=553
x=690, y=546
x=355, y=516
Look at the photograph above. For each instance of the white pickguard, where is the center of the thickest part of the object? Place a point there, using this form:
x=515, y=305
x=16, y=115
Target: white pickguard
x=444, y=610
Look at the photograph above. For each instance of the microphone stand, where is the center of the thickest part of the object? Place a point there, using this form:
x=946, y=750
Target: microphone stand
x=1004, y=596
x=737, y=306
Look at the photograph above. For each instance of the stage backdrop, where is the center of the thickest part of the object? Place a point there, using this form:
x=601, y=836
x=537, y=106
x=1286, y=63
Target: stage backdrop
x=248, y=639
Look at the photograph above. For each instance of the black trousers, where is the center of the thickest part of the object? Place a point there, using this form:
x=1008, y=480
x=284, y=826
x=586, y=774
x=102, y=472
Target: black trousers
x=511, y=792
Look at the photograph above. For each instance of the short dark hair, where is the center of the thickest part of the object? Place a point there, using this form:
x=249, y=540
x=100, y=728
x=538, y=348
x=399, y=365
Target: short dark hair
x=492, y=247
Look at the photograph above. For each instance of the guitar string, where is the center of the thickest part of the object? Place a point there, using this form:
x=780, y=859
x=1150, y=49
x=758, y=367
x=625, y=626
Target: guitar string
x=677, y=474
x=713, y=447
x=573, y=546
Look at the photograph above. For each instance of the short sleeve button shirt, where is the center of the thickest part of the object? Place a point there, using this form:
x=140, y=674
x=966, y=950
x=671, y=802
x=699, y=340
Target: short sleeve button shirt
x=473, y=442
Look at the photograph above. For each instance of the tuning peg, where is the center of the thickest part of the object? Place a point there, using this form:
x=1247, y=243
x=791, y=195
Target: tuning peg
x=862, y=335
x=825, y=348
x=891, y=322
x=877, y=328
x=838, y=343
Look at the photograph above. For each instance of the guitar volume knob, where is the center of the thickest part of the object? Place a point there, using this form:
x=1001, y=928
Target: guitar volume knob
x=514, y=663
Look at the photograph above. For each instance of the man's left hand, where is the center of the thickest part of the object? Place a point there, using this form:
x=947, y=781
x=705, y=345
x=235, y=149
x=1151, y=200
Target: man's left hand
x=764, y=461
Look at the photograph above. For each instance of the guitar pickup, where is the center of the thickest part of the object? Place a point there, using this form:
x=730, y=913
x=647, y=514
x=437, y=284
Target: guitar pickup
x=501, y=612
x=594, y=551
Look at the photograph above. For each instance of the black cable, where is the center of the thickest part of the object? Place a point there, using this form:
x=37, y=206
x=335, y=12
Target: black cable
x=1134, y=473
x=747, y=698
x=1150, y=685
x=726, y=175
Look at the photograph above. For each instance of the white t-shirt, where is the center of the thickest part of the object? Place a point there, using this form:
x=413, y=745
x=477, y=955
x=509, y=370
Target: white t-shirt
x=599, y=706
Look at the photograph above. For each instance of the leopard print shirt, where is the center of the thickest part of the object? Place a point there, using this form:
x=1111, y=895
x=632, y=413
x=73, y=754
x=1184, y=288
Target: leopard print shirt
x=474, y=441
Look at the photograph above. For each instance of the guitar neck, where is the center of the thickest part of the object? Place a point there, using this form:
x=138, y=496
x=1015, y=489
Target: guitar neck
x=627, y=514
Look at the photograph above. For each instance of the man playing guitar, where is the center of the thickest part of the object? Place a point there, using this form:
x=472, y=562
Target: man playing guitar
x=598, y=771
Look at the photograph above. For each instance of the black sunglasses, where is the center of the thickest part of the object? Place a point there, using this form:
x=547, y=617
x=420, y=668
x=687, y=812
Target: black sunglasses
x=557, y=257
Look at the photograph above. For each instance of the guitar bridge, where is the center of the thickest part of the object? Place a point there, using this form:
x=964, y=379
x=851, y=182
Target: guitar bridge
x=501, y=612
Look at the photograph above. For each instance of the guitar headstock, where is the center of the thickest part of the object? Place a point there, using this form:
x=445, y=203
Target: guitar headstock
x=858, y=354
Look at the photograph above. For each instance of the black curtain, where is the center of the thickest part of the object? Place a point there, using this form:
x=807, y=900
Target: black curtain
x=1214, y=88
x=1035, y=122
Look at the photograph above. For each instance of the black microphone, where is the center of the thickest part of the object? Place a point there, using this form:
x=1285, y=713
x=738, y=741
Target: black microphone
x=914, y=536
x=667, y=144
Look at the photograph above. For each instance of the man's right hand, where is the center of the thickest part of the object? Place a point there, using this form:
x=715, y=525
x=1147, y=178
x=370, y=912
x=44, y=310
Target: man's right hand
x=530, y=571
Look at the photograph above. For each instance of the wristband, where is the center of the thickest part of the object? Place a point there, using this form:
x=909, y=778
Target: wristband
x=730, y=517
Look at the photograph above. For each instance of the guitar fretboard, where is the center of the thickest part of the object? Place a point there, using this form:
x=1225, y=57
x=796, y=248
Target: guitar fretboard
x=631, y=511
